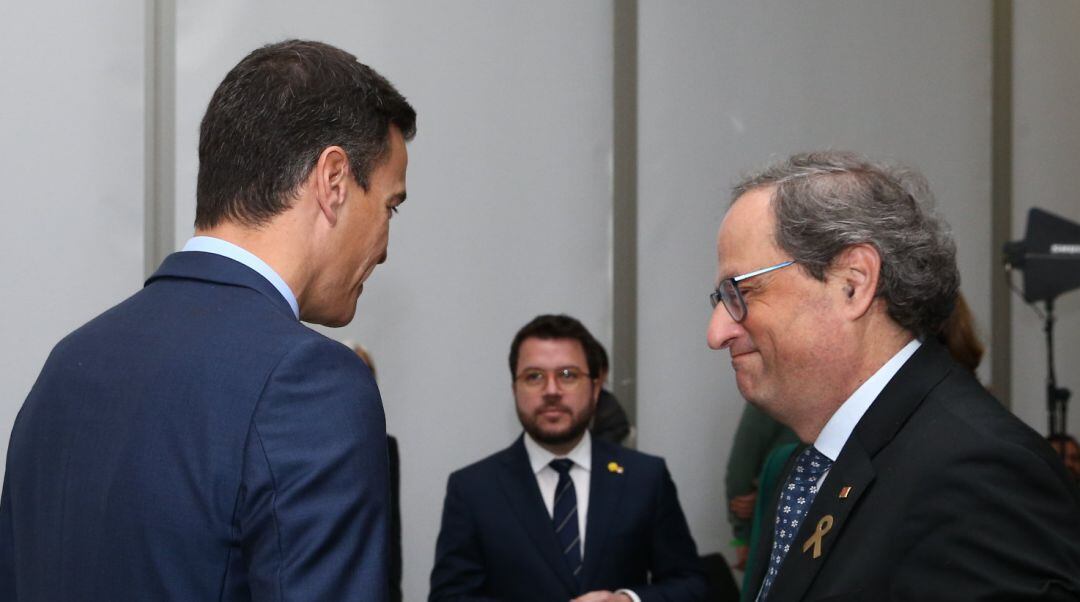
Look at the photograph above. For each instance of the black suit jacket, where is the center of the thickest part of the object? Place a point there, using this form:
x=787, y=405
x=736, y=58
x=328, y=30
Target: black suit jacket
x=497, y=540
x=951, y=498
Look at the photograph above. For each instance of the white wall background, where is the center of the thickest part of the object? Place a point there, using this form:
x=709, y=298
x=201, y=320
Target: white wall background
x=509, y=206
x=71, y=142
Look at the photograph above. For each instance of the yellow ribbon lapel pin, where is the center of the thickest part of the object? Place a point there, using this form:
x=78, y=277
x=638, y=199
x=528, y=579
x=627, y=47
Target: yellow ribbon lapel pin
x=823, y=527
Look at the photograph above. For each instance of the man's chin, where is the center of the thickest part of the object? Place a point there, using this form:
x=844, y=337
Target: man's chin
x=555, y=437
x=331, y=319
x=745, y=383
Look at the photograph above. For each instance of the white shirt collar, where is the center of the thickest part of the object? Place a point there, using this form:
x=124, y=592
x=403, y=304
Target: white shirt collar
x=539, y=457
x=217, y=246
x=838, y=429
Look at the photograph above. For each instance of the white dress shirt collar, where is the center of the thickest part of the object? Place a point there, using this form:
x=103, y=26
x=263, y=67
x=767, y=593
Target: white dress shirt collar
x=839, y=428
x=217, y=246
x=539, y=457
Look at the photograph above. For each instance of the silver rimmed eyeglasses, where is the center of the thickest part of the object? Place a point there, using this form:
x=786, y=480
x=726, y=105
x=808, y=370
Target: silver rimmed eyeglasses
x=728, y=291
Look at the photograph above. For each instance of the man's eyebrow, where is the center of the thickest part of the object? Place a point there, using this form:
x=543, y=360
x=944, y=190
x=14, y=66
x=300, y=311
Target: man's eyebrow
x=559, y=367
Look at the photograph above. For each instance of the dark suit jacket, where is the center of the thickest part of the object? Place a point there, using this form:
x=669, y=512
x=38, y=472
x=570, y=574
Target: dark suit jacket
x=196, y=442
x=952, y=498
x=497, y=541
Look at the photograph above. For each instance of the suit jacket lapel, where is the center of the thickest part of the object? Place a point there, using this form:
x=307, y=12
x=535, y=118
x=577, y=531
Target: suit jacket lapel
x=518, y=483
x=605, y=491
x=854, y=468
x=824, y=522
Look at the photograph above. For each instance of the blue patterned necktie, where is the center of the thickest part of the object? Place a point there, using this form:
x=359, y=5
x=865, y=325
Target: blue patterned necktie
x=795, y=499
x=564, y=517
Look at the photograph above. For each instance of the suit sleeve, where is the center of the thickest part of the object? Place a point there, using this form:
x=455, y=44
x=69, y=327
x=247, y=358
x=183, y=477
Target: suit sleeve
x=996, y=525
x=677, y=574
x=459, y=573
x=312, y=516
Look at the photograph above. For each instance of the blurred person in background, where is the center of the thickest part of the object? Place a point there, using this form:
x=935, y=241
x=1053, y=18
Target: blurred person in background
x=1069, y=451
x=610, y=423
x=757, y=436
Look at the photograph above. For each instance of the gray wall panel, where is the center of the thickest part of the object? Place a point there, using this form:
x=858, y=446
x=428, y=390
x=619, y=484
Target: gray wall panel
x=71, y=135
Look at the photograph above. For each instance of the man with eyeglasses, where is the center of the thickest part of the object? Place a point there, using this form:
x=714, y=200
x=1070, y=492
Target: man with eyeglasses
x=913, y=482
x=559, y=515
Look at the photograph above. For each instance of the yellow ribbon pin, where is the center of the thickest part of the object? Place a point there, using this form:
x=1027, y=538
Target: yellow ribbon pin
x=614, y=467
x=822, y=528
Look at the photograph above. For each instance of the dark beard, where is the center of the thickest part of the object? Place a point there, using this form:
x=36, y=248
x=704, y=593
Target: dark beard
x=576, y=430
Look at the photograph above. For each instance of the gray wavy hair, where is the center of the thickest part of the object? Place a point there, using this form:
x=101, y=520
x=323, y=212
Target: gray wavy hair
x=827, y=201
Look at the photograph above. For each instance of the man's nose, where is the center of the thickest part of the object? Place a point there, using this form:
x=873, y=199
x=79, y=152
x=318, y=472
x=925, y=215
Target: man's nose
x=722, y=330
x=551, y=385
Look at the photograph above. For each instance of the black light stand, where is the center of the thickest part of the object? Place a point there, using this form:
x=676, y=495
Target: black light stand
x=1049, y=256
x=1057, y=398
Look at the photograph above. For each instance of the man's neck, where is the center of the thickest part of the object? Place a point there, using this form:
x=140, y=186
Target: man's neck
x=879, y=346
x=272, y=244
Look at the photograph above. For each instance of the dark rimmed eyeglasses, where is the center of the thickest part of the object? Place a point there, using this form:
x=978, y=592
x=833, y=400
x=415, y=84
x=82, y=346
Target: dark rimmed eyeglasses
x=728, y=292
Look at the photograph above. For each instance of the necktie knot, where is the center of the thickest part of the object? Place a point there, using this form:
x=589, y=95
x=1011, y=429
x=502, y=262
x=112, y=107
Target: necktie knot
x=810, y=465
x=562, y=465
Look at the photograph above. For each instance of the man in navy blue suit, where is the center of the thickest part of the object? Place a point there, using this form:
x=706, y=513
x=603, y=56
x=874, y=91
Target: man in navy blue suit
x=197, y=442
x=559, y=515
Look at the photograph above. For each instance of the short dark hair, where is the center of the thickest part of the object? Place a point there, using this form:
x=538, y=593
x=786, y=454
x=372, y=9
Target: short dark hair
x=273, y=115
x=827, y=201
x=561, y=326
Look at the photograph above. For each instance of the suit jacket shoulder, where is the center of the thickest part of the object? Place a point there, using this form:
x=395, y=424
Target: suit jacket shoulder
x=188, y=435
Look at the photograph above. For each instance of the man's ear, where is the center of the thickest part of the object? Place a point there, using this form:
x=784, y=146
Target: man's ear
x=857, y=271
x=331, y=177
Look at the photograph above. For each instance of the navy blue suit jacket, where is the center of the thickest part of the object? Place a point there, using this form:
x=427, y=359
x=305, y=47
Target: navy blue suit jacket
x=497, y=541
x=196, y=442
